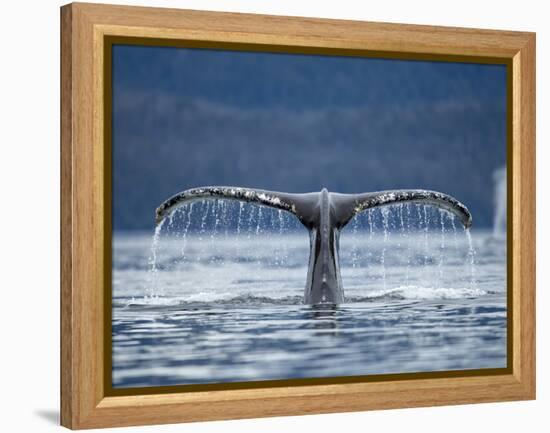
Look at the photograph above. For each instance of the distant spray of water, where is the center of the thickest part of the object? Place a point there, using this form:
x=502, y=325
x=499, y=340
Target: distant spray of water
x=499, y=218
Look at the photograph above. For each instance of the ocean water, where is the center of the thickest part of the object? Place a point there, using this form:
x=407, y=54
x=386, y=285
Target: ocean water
x=217, y=296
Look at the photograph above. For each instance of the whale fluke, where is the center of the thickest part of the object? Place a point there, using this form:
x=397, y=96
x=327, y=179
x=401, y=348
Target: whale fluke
x=349, y=205
x=324, y=214
x=273, y=199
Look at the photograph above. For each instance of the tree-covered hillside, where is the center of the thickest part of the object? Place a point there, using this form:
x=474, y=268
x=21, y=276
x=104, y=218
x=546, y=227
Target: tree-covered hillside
x=184, y=118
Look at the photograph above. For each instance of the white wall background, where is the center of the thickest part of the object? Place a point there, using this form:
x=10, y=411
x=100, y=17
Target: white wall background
x=29, y=170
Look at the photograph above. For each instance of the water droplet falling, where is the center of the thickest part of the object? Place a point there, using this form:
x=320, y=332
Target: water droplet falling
x=426, y=239
x=258, y=251
x=354, y=255
x=441, y=246
x=471, y=259
x=224, y=205
x=185, y=230
x=237, y=238
x=371, y=230
x=241, y=204
x=250, y=222
x=214, y=232
x=225, y=222
x=205, y=204
x=405, y=237
x=258, y=222
x=171, y=219
x=385, y=215
x=281, y=232
x=153, y=269
x=273, y=222
x=453, y=225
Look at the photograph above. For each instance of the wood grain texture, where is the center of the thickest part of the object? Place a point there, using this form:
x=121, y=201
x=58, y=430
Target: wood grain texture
x=84, y=230
x=525, y=220
x=67, y=388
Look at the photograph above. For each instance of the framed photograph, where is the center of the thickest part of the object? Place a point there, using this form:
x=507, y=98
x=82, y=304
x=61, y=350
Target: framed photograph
x=268, y=216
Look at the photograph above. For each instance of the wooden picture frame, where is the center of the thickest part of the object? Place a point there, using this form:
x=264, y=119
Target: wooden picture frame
x=87, y=31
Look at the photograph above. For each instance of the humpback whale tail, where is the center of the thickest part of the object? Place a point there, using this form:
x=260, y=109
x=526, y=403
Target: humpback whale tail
x=324, y=214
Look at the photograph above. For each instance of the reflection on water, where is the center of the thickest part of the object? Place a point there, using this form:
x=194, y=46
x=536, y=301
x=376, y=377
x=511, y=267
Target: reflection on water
x=232, y=311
